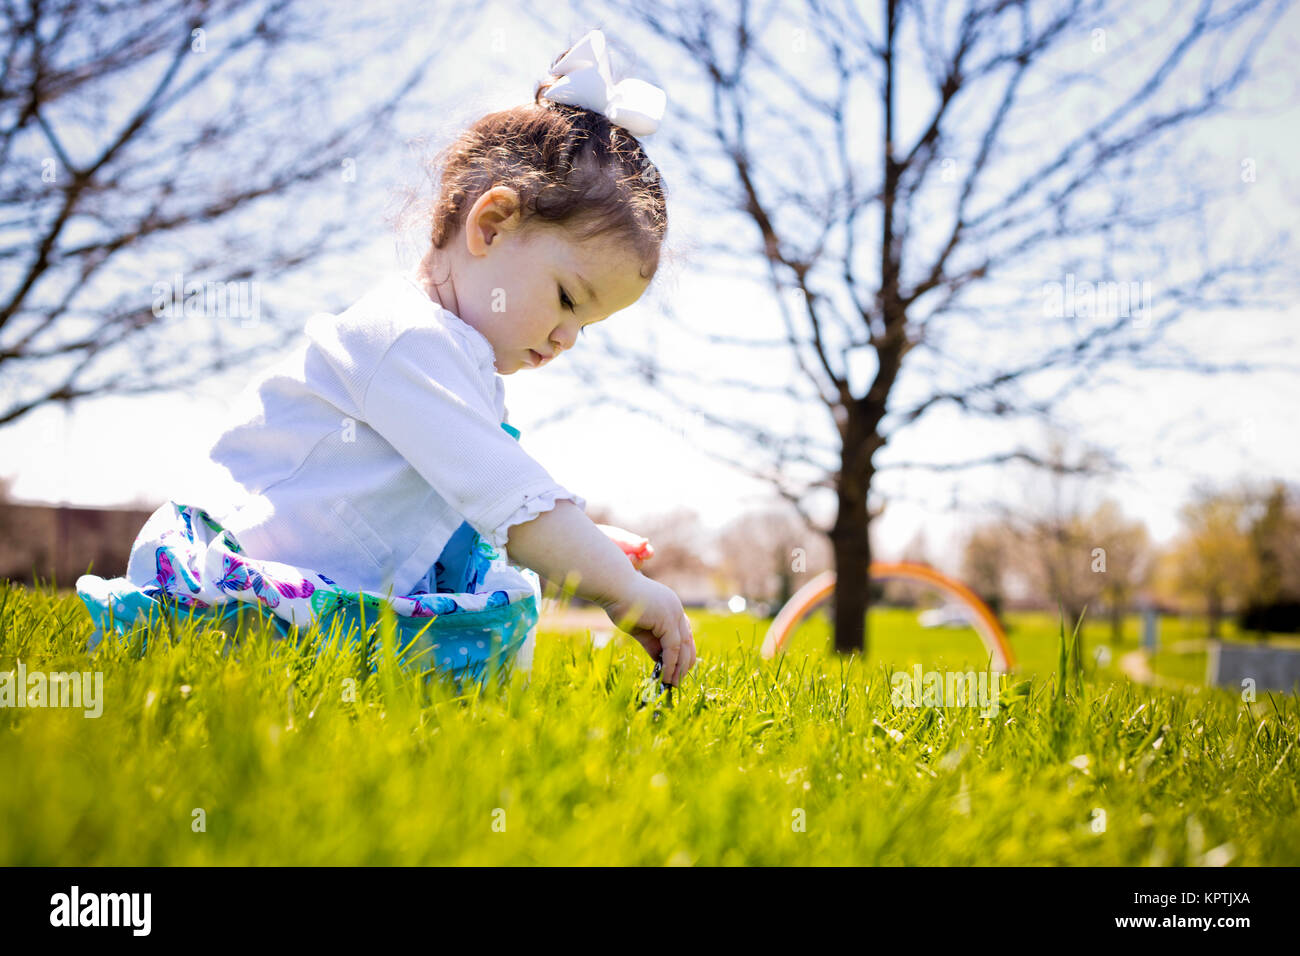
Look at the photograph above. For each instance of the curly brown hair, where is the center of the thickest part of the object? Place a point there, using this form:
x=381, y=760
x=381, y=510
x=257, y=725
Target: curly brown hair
x=570, y=166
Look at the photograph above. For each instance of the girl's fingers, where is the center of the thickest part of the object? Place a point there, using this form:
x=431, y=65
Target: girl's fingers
x=685, y=658
x=653, y=646
x=672, y=657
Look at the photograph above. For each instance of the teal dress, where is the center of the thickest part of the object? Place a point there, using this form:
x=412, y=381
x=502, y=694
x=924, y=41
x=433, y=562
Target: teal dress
x=471, y=614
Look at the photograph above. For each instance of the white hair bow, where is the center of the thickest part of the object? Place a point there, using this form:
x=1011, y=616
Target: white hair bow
x=584, y=73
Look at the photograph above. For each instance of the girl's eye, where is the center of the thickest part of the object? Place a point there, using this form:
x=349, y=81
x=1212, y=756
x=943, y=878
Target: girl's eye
x=565, y=300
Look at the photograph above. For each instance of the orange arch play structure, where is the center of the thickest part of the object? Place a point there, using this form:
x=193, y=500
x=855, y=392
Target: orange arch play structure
x=806, y=599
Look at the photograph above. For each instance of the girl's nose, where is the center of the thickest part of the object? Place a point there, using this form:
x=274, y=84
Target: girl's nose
x=562, y=340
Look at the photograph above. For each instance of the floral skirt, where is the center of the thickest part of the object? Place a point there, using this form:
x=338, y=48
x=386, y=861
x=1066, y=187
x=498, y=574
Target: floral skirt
x=472, y=613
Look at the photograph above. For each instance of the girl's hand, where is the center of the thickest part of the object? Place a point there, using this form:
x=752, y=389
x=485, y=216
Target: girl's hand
x=637, y=548
x=653, y=615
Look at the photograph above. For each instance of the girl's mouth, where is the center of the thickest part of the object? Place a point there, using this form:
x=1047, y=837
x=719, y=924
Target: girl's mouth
x=536, y=359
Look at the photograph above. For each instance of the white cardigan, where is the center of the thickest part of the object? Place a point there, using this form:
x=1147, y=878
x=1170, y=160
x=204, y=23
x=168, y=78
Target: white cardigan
x=363, y=451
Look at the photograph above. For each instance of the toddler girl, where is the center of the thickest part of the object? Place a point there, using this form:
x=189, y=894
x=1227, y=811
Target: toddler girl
x=376, y=465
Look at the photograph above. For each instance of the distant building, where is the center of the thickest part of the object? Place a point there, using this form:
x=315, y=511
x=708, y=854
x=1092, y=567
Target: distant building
x=57, y=544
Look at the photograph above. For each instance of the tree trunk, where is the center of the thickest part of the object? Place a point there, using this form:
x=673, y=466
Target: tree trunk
x=784, y=576
x=852, y=561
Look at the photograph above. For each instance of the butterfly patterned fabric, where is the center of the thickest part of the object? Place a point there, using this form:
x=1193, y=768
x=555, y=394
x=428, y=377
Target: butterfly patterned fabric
x=481, y=612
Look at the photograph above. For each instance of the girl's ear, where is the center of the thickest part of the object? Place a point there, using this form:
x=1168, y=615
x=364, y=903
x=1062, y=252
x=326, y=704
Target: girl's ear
x=493, y=213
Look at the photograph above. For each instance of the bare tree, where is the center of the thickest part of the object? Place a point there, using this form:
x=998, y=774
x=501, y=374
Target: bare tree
x=1211, y=558
x=158, y=142
x=766, y=554
x=1120, y=552
x=926, y=259
x=1272, y=601
x=680, y=544
x=1052, y=546
x=987, y=557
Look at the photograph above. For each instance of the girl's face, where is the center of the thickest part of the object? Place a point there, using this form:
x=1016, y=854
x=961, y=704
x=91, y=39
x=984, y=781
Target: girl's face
x=531, y=291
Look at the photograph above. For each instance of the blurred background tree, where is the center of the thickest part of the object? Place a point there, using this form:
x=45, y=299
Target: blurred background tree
x=987, y=556
x=1272, y=599
x=1210, y=562
x=1127, y=555
x=767, y=554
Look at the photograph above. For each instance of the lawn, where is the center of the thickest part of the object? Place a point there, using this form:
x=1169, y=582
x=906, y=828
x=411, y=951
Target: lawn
x=264, y=756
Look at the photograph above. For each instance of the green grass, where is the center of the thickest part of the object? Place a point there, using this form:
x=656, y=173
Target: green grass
x=566, y=770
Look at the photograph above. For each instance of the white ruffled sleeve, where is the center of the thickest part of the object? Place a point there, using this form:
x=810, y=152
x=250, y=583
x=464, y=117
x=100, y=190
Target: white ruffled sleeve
x=530, y=509
x=431, y=401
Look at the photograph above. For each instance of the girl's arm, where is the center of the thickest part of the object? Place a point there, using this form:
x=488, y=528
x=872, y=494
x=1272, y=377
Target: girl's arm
x=564, y=540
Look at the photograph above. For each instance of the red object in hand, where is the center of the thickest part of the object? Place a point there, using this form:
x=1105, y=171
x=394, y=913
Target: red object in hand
x=638, y=549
